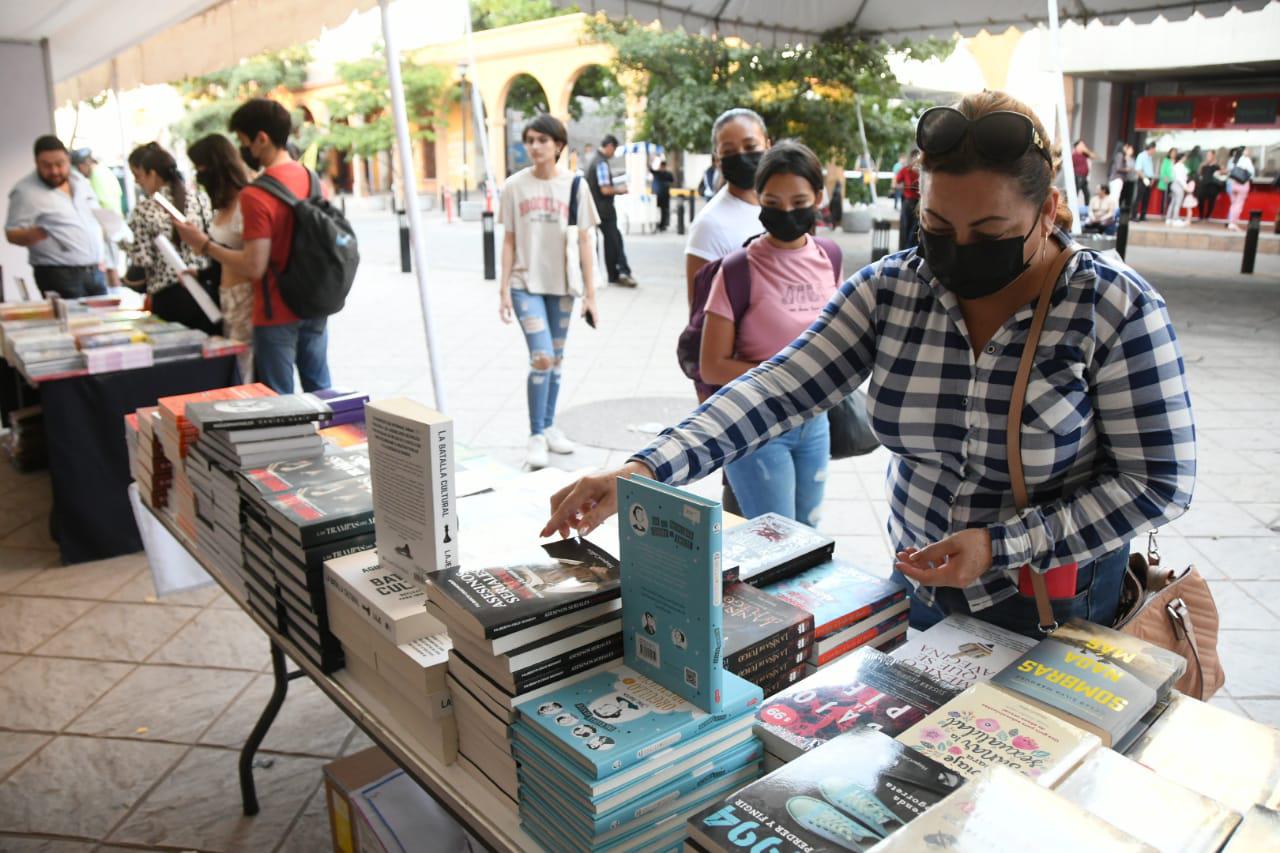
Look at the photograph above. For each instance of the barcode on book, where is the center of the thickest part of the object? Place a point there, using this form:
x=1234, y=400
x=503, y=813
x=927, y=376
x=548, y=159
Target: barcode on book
x=690, y=677
x=648, y=651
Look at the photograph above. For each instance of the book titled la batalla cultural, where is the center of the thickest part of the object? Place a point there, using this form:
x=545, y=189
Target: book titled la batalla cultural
x=848, y=795
x=508, y=606
x=865, y=690
x=672, y=595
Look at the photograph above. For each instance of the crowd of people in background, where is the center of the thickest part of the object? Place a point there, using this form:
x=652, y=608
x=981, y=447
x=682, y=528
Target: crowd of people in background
x=1189, y=182
x=233, y=236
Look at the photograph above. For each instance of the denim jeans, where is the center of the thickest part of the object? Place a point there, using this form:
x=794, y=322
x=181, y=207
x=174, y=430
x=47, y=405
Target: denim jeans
x=545, y=323
x=276, y=349
x=70, y=282
x=1097, y=598
x=787, y=475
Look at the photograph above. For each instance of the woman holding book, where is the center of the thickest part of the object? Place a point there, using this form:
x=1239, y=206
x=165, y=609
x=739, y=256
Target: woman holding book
x=223, y=174
x=535, y=276
x=791, y=279
x=1106, y=430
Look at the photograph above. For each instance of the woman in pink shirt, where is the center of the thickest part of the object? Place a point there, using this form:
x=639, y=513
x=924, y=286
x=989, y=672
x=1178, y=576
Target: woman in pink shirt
x=791, y=282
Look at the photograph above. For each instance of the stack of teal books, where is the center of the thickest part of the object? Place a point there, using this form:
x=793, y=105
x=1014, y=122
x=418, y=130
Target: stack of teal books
x=616, y=762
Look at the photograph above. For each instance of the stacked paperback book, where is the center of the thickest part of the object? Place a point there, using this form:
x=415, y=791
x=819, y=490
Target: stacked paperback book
x=152, y=470
x=850, y=608
x=766, y=640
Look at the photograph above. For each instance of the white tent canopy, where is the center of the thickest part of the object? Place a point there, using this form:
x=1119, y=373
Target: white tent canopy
x=771, y=22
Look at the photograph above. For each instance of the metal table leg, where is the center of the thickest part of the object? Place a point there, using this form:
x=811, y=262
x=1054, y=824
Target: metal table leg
x=280, y=671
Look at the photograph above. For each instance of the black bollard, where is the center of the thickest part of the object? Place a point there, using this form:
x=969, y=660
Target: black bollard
x=406, y=258
x=680, y=217
x=1122, y=232
x=490, y=259
x=879, y=239
x=1251, y=241
x=692, y=203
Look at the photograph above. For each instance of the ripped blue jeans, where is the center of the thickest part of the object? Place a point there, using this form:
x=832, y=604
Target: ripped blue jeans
x=545, y=323
x=788, y=475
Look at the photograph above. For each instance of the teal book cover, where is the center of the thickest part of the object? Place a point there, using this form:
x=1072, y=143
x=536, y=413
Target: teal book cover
x=672, y=608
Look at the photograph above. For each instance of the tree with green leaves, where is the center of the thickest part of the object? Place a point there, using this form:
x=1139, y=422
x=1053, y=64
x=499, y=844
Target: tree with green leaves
x=366, y=97
x=805, y=92
x=212, y=98
x=491, y=14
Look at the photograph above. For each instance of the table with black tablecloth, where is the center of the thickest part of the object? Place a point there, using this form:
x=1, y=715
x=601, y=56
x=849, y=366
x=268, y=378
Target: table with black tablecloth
x=88, y=457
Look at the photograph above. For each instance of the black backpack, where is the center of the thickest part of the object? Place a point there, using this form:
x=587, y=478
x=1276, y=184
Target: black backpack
x=322, y=263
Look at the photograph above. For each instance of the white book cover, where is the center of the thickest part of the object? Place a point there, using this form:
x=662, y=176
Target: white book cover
x=411, y=463
x=962, y=651
x=389, y=600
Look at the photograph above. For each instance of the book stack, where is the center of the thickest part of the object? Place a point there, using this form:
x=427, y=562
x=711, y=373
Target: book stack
x=104, y=359
x=847, y=794
x=766, y=640
x=850, y=608
x=615, y=761
x=152, y=471
x=44, y=352
x=1002, y=811
x=392, y=647
x=961, y=650
x=177, y=434
x=520, y=630
x=864, y=690
x=347, y=406
x=772, y=547
x=177, y=344
x=1096, y=678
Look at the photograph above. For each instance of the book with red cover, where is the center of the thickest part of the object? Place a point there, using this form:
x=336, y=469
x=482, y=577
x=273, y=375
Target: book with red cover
x=837, y=594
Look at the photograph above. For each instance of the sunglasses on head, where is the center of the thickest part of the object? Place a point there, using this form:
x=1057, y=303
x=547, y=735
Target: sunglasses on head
x=999, y=137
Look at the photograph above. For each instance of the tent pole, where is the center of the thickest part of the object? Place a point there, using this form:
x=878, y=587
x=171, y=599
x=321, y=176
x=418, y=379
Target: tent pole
x=479, y=118
x=409, y=192
x=124, y=136
x=866, y=149
x=1064, y=131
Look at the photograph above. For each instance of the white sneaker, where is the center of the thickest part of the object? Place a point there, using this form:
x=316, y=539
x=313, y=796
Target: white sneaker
x=557, y=441
x=536, y=453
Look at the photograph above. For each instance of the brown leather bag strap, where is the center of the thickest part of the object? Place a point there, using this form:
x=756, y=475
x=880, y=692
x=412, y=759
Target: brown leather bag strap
x=1013, y=438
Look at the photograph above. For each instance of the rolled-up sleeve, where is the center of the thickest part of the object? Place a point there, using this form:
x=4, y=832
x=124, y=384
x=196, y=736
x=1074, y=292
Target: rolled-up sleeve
x=1148, y=438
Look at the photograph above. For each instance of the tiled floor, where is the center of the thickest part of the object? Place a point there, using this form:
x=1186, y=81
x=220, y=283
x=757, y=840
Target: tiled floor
x=121, y=715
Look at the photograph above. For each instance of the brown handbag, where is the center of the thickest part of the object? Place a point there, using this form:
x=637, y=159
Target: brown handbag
x=1172, y=610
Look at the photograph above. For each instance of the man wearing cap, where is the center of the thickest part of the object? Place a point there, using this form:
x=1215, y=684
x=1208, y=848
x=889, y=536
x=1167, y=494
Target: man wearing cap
x=51, y=215
x=105, y=185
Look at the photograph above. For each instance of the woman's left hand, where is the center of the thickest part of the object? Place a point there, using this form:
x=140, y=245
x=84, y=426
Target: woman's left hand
x=956, y=561
x=191, y=234
x=589, y=306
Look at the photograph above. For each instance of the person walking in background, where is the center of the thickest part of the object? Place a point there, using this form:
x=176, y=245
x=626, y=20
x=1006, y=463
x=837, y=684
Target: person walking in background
x=281, y=340
x=158, y=176
x=908, y=181
x=738, y=141
x=110, y=197
x=1145, y=166
x=792, y=280
x=1240, y=173
x=1166, y=177
x=710, y=180
x=535, y=217
x=1208, y=185
x=1179, y=186
x=600, y=179
x=224, y=175
x=895, y=191
x=1123, y=177
x=51, y=216
x=1080, y=157
x=662, y=182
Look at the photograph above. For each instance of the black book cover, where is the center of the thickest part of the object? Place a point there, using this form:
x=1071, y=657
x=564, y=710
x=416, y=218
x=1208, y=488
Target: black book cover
x=257, y=412
x=863, y=690
x=292, y=474
x=785, y=656
x=313, y=515
x=602, y=650
x=315, y=557
x=783, y=680
x=572, y=574
x=756, y=623
x=855, y=791
x=771, y=547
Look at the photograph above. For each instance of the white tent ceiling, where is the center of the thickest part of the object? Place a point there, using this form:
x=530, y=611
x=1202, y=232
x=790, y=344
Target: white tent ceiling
x=773, y=22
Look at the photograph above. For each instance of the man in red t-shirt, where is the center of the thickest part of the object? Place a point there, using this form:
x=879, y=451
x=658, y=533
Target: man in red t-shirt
x=281, y=341
x=908, y=180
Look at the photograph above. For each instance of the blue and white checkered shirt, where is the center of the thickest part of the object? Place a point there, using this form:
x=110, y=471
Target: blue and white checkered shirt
x=1108, y=440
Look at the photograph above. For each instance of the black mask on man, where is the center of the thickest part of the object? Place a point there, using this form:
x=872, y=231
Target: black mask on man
x=740, y=169
x=249, y=160
x=788, y=225
x=975, y=270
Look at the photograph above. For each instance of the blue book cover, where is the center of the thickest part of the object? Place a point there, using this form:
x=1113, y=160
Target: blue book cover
x=744, y=758
x=613, y=719
x=672, y=613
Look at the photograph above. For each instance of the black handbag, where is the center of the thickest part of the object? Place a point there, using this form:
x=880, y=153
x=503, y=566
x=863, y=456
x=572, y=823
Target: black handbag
x=850, y=425
x=1240, y=175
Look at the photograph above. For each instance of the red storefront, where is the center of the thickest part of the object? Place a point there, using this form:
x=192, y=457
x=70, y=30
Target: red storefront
x=1220, y=122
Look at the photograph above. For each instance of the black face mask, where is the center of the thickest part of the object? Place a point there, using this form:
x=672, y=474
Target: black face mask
x=249, y=160
x=788, y=225
x=975, y=270
x=740, y=169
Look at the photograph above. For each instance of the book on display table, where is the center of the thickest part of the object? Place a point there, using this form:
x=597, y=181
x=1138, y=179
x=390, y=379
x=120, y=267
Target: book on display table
x=962, y=650
x=772, y=547
x=839, y=595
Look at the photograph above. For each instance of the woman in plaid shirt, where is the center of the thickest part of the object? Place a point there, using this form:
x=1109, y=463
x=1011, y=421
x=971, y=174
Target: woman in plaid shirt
x=1108, y=439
